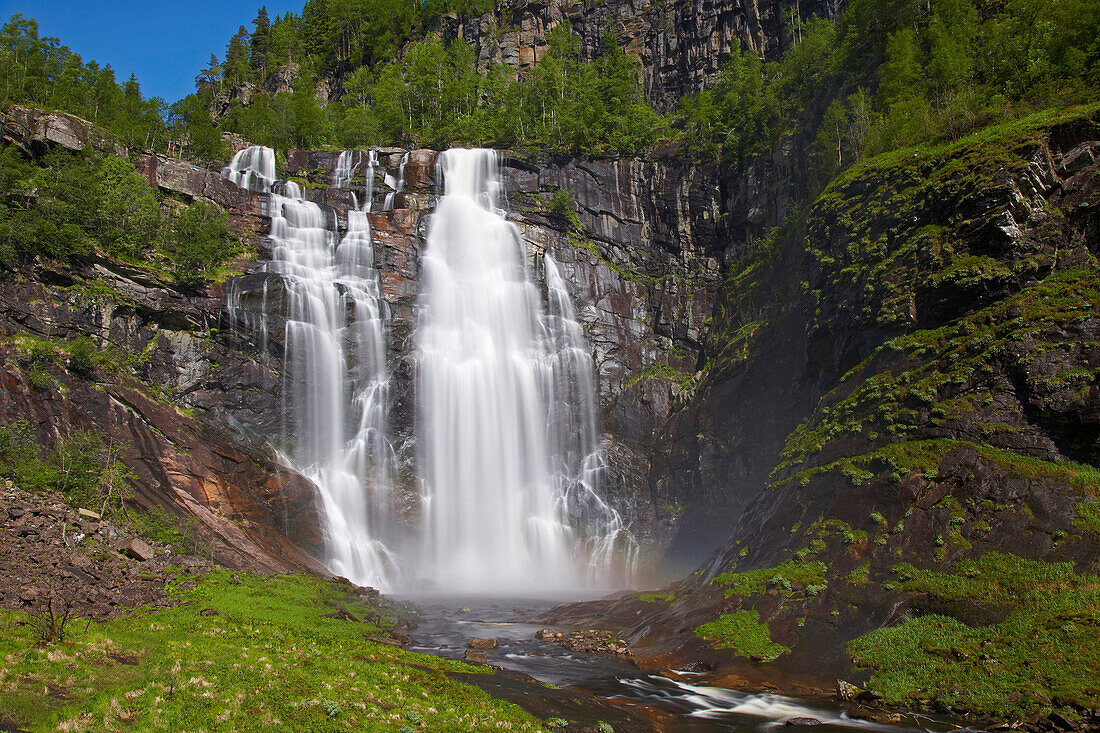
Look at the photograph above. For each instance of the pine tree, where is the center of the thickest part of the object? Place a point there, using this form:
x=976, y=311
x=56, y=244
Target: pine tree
x=261, y=41
x=236, y=68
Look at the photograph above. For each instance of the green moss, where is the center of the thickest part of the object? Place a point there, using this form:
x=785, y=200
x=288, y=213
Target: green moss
x=742, y=632
x=1044, y=648
x=784, y=577
x=271, y=653
x=861, y=575
x=1087, y=516
x=655, y=597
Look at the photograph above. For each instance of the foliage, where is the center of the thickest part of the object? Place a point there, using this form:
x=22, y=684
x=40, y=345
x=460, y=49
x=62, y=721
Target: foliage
x=197, y=240
x=893, y=73
x=40, y=72
x=1042, y=649
x=86, y=467
x=742, y=632
x=783, y=577
x=73, y=205
x=274, y=650
x=1087, y=516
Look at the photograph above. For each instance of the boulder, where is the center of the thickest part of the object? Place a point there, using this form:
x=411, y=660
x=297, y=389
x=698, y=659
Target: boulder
x=136, y=549
x=474, y=656
x=482, y=644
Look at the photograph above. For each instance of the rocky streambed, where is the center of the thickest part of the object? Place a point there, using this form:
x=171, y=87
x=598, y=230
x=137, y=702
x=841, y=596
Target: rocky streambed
x=590, y=674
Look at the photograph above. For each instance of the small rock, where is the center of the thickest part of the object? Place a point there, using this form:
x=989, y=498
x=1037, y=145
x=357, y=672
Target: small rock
x=475, y=656
x=482, y=644
x=545, y=634
x=136, y=549
x=384, y=640
x=519, y=609
x=89, y=514
x=188, y=585
x=802, y=721
x=234, y=579
x=15, y=512
x=209, y=612
x=846, y=691
x=464, y=609
x=1062, y=721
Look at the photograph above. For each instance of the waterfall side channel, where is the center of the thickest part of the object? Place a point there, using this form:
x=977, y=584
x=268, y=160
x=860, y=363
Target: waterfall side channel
x=508, y=455
x=336, y=385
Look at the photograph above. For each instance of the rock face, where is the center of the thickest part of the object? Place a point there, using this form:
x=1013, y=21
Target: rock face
x=642, y=259
x=681, y=46
x=906, y=379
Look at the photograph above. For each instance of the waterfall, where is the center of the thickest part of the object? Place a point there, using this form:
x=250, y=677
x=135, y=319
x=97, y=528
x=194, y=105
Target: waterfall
x=509, y=454
x=336, y=385
x=346, y=166
x=509, y=457
x=252, y=168
x=396, y=184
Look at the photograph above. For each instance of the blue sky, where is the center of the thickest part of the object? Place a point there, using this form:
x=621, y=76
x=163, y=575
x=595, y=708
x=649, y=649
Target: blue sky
x=164, y=42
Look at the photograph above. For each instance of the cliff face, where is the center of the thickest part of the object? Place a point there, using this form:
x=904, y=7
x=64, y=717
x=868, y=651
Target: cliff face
x=681, y=45
x=642, y=262
x=902, y=389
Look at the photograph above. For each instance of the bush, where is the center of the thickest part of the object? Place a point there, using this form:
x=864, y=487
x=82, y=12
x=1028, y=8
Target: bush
x=82, y=355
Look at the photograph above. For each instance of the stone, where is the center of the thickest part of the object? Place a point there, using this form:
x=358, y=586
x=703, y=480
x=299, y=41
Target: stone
x=482, y=644
x=846, y=691
x=475, y=656
x=545, y=634
x=464, y=609
x=89, y=514
x=136, y=548
x=209, y=612
x=802, y=721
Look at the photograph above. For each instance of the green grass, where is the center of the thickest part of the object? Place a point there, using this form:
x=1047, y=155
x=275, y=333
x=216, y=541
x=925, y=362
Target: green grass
x=784, y=577
x=1087, y=516
x=655, y=597
x=1043, y=649
x=742, y=632
x=270, y=659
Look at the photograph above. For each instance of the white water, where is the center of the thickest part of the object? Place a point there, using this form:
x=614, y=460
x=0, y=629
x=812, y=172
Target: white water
x=346, y=166
x=509, y=455
x=508, y=451
x=252, y=168
x=336, y=386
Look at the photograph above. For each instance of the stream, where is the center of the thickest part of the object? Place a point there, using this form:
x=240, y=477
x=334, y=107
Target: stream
x=685, y=701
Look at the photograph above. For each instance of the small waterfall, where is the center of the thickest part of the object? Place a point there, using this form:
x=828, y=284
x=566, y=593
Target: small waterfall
x=396, y=184
x=508, y=449
x=368, y=193
x=335, y=380
x=346, y=165
x=252, y=168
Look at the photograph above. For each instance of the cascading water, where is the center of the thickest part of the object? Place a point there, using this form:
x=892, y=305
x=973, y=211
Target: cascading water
x=346, y=166
x=508, y=450
x=336, y=382
x=509, y=456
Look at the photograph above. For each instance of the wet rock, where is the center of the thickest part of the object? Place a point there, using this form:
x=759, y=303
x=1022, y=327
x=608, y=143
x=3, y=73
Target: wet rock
x=464, y=609
x=475, y=656
x=846, y=691
x=482, y=644
x=545, y=634
x=803, y=721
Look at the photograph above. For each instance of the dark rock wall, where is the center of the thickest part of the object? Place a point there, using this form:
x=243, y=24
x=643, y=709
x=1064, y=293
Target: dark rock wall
x=681, y=44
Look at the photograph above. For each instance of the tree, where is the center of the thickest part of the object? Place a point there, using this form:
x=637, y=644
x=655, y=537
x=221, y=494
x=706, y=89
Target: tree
x=236, y=69
x=261, y=41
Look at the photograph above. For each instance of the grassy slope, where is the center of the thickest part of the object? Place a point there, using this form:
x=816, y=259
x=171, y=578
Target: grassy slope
x=270, y=659
x=866, y=471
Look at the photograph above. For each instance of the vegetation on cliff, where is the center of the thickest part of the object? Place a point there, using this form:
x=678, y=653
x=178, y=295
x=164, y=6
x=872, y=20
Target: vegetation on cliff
x=67, y=205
